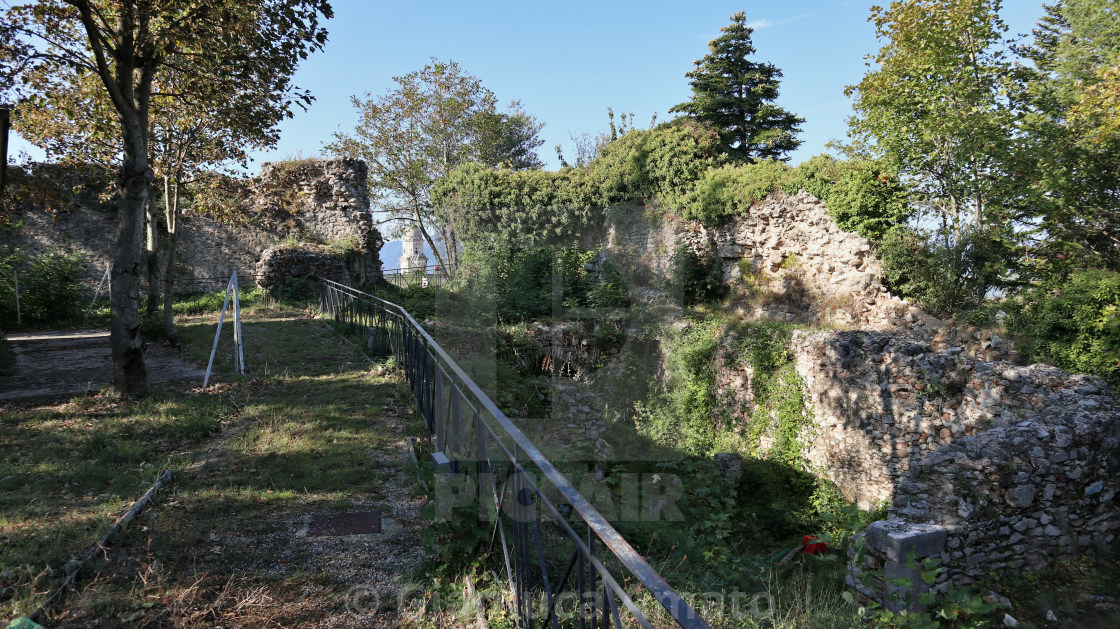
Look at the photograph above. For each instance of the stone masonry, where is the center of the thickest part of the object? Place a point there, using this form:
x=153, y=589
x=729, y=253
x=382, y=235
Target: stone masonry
x=986, y=465
x=322, y=201
x=785, y=244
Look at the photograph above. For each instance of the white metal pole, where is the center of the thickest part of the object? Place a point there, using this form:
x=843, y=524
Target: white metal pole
x=97, y=291
x=217, y=335
x=239, y=339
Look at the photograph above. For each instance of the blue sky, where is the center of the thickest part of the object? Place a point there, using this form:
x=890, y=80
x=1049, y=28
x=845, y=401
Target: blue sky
x=568, y=62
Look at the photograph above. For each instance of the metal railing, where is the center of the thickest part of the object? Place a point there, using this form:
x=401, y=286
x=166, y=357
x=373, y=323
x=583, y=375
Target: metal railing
x=430, y=275
x=474, y=440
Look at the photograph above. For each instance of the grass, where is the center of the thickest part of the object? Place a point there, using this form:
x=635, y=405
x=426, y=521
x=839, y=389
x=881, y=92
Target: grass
x=1080, y=592
x=251, y=456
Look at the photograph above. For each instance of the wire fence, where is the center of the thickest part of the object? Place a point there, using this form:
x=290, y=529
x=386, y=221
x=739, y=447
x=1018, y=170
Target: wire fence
x=491, y=462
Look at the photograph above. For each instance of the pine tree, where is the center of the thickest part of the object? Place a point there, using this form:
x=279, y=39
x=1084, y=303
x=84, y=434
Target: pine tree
x=736, y=96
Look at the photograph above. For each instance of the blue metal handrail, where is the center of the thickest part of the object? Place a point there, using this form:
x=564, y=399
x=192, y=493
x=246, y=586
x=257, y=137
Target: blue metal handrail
x=443, y=392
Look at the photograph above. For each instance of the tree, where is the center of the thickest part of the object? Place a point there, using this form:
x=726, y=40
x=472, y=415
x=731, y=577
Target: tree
x=736, y=96
x=509, y=139
x=77, y=123
x=935, y=107
x=417, y=132
x=240, y=54
x=1071, y=131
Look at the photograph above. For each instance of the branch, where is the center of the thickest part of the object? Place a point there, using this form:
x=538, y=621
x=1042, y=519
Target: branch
x=92, y=33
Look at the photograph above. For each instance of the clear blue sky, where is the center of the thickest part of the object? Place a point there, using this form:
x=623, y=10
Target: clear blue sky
x=568, y=62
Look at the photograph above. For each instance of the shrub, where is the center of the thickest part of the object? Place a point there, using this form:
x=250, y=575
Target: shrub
x=699, y=279
x=531, y=208
x=663, y=162
x=945, y=276
x=1075, y=326
x=609, y=289
x=49, y=285
x=9, y=263
x=732, y=190
x=863, y=196
x=681, y=414
x=518, y=282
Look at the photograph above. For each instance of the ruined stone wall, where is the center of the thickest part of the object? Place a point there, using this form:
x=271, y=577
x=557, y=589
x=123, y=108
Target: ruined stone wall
x=988, y=466
x=788, y=255
x=322, y=201
x=881, y=403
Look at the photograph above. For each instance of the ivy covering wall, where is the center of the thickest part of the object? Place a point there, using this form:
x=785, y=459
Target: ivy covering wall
x=676, y=168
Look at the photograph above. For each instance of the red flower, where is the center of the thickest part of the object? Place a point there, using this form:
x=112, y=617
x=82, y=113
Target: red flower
x=812, y=546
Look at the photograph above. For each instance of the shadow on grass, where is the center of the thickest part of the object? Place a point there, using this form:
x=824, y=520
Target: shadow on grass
x=301, y=434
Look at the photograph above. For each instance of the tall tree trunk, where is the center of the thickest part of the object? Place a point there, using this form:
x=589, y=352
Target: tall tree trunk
x=171, y=201
x=168, y=278
x=151, y=256
x=129, y=372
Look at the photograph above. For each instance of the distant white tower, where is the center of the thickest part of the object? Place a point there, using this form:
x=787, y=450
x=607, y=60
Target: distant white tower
x=412, y=254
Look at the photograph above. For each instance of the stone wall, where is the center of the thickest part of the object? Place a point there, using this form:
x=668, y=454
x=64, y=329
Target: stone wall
x=988, y=466
x=788, y=259
x=881, y=403
x=1018, y=496
x=321, y=201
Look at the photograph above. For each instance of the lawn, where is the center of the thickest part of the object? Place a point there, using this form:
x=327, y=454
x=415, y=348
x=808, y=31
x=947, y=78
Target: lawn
x=315, y=428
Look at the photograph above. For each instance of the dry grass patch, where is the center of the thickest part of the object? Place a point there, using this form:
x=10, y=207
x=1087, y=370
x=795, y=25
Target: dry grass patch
x=252, y=457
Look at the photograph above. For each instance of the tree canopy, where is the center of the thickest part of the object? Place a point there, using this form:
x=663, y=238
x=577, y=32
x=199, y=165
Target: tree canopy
x=236, y=57
x=934, y=106
x=1070, y=155
x=417, y=132
x=735, y=95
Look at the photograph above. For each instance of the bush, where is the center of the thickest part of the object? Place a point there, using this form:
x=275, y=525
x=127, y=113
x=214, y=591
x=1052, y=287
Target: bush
x=518, y=282
x=1075, y=326
x=50, y=288
x=664, y=162
x=732, y=190
x=9, y=263
x=862, y=196
x=945, y=276
x=682, y=413
x=700, y=279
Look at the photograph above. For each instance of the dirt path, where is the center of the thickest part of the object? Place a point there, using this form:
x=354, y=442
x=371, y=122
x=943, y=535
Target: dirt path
x=61, y=364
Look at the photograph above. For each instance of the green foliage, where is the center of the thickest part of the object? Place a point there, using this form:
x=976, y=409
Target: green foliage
x=9, y=263
x=1075, y=325
x=732, y=190
x=945, y=276
x=862, y=195
x=736, y=96
x=1068, y=164
x=432, y=121
x=523, y=208
x=682, y=413
x=779, y=401
x=53, y=288
x=539, y=283
x=454, y=537
x=956, y=606
x=660, y=163
x=699, y=279
x=534, y=208
x=935, y=104
x=50, y=288
x=776, y=501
